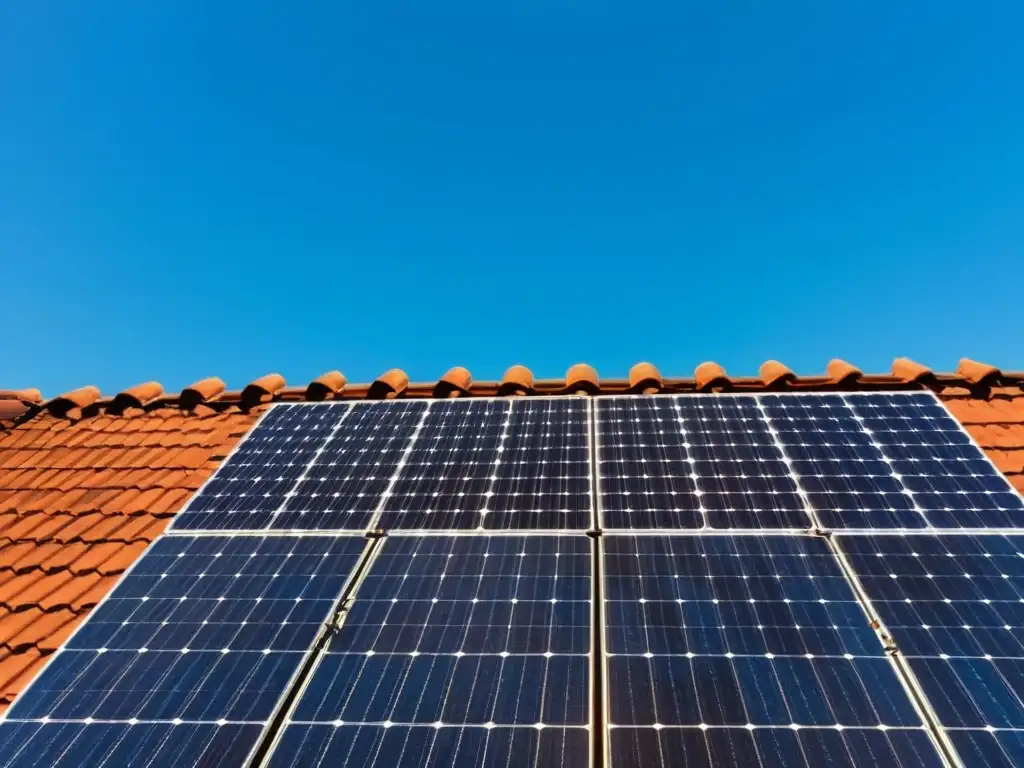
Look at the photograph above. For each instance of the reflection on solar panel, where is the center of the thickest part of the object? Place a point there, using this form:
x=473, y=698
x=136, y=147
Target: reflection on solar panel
x=265, y=466
x=751, y=633
x=450, y=632
x=204, y=631
x=890, y=461
x=496, y=465
x=685, y=462
x=955, y=608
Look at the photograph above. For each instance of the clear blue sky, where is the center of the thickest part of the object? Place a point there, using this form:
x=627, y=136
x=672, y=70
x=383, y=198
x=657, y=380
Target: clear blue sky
x=232, y=188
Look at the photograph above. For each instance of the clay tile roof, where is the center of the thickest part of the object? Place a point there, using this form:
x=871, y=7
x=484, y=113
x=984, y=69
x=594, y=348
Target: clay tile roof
x=774, y=374
x=710, y=375
x=976, y=372
x=455, y=382
x=203, y=391
x=517, y=380
x=138, y=396
x=907, y=370
x=327, y=385
x=582, y=378
x=389, y=384
x=644, y=377
x=87, y=483
x=842, y=372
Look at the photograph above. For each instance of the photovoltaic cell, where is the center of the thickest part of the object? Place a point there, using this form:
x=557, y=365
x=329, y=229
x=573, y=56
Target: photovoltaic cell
x=948, y=475
x=449, y=632
x=771, y=747
x=687, y=462
x=345, y=483
x=751, y=633
x=306, y=746
x=496, y=465
x=894, y=460
x=955, y=608
x=203, y=631
x=446, y=481
x=255, y=480
x=81, y=745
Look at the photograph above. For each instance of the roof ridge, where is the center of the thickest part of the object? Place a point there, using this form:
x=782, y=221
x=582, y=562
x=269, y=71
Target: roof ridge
x=210, y=396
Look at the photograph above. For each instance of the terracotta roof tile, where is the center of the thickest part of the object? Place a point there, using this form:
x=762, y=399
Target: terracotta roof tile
x=16, y=670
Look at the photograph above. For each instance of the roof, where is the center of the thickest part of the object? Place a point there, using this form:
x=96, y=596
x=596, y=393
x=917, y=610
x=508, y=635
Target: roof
x=87, y=481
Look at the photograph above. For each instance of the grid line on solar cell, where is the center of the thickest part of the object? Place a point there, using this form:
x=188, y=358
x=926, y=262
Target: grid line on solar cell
x=890, y=460
x=422, y=746
x=348, y=481
x=81, y=745
x=754, y=634
x=188, y=657
x=687, y=462
x=783, y=747
x=254, y=480
x=496, y=465
x=954, y=606
x=476, y=632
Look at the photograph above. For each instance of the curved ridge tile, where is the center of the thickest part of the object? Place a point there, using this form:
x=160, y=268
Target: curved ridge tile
x=454, y=383
x=518, y=380
x=389, y=384
x=709, y=375
x=644, y=377
x=326, y=385
x=582, y=378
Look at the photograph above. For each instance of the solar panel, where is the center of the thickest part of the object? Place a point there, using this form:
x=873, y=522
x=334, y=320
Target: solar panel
x=955, y=608
x=692, y=462
x=256, y=478
x=890, y=460
x=470, y=635
x=754, y=634
x=346, y=483
x=81, y=745
x=492, y=465
x=203, y=631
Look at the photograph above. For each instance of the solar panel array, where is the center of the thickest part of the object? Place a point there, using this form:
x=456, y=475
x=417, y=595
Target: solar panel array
x=779, y=579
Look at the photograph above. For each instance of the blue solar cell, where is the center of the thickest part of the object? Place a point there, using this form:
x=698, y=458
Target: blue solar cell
x=423, y=746
x=954, y=606
x=724, y=643
x=496, y=465
x=256, y=479
x=890, y=460
x=346, y=482
x=81, y=745
x=203, y=629
x=471, y=630
x=686, y=462
x=803, y=748
x=994, y=749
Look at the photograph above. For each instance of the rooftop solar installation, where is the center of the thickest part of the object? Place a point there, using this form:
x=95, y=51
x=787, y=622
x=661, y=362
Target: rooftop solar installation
x=955, y=608
x=749, y=633
x=890, y=460
x=471, y=635
x=466, y=628
x=203, y=631
x=687, y=462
